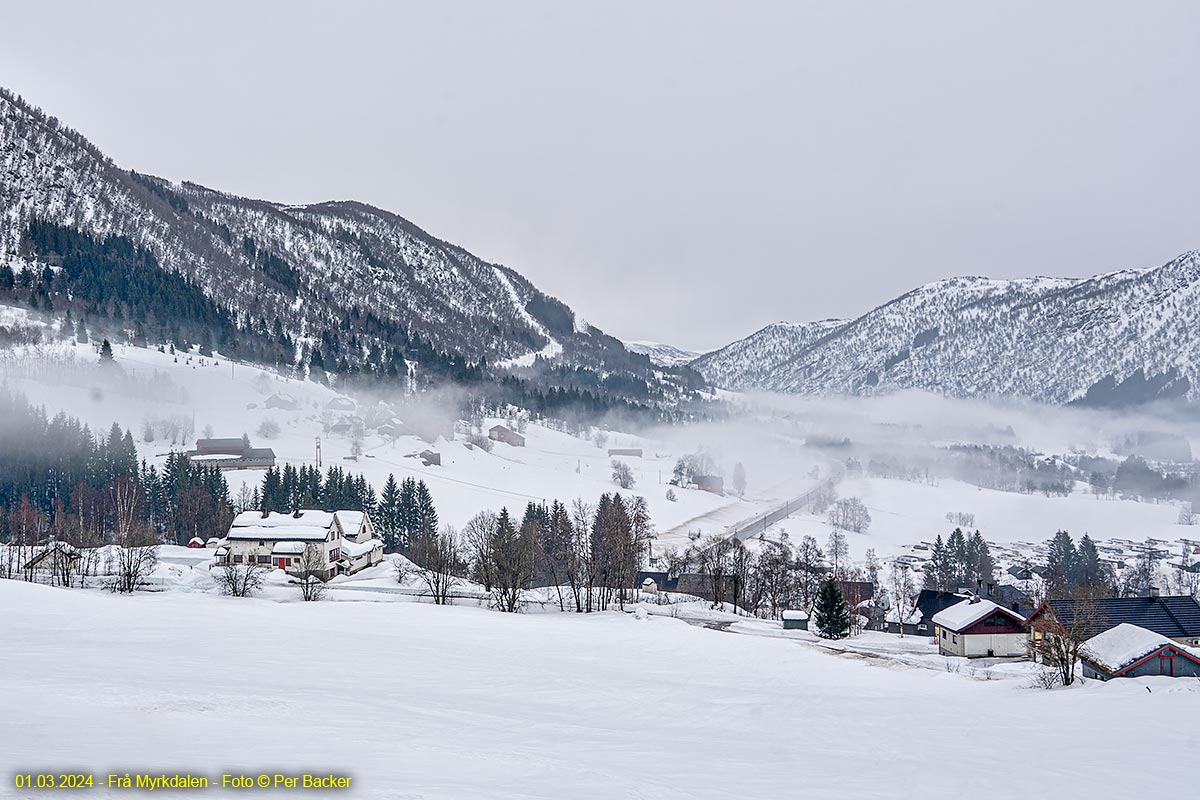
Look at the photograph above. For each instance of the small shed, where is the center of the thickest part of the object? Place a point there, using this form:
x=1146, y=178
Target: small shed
x=795, y=620
x=196, y=543
x=710, y=483
x=1128, y=651
x=340, y=404
x=500, y=433
x=430, y=458
x=649, y=586
x=213, y=541
x=978, y=628
x=632, y=452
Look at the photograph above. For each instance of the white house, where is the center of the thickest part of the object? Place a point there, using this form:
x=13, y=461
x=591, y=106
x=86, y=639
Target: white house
x=342, y=541
x=978, y=628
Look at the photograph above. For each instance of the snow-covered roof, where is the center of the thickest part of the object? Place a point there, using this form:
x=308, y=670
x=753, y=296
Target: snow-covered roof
x=795, y=615
x=356, y=549
x=968, y=612
x=1120, y=646
x=289, y=548
x=308, y=533
x=308, y=517
x=351, y=522
x=195, y=540
x=213, y=540
x=914, y=616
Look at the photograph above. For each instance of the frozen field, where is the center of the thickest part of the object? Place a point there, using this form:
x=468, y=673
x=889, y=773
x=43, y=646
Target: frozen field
x=417, y=701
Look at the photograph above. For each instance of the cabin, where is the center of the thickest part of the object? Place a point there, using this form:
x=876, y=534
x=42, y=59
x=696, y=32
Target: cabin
x=1175, y=617
x=632, y=452
x=710, y=483
x=58, y=559
x=978, y=628
x=196, y=543
x=340, y=404
x=284, y=402
x=929, y=603
x=794, y=620
x=1129, y=651
x=227, y=454
x=856, y=592
x=909, y=626
x=344, y=541
x=500, y=433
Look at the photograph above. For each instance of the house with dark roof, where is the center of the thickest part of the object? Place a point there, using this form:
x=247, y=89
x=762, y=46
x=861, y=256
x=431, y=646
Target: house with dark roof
x=1177, y=617
x=978, y=628
x=929, y=602
x=1129, y=651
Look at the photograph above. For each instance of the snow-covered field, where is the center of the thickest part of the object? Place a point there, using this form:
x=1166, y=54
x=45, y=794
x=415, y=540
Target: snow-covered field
x=419, y=701
x=229, y=398
x=906, y=513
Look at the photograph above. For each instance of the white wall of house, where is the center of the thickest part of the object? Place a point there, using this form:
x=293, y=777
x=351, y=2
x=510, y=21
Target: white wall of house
x=977, y=645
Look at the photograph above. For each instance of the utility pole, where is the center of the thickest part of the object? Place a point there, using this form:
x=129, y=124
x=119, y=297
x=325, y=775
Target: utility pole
x=318, y=452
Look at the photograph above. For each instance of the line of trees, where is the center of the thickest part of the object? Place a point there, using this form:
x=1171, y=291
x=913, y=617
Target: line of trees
x=961, y=561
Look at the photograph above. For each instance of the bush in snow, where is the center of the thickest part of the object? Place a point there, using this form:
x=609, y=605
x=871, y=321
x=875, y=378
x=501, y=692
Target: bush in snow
x=622, y=474
x=268, y=429
x=671, y=495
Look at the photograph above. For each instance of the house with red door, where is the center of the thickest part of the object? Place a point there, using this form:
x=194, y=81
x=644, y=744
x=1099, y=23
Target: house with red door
x=324, y=543
x=1129, y=651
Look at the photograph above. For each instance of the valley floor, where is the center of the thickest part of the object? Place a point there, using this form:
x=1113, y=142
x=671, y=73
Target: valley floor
x=418, y=701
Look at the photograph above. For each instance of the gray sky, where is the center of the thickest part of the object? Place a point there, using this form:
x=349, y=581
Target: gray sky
x=678, y=171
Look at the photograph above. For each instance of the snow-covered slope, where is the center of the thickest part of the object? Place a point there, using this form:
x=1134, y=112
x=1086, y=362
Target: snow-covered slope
x=315, y=271
x=1114, y=339
x=746, y=363
x=664, y=355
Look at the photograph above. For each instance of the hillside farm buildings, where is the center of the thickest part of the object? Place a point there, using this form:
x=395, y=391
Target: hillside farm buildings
x=320, y=543
x=229, y=454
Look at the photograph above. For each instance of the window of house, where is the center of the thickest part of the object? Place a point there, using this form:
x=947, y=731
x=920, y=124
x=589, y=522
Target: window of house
x=237, y=559
x=922, y=627
x=954, y=638
x=943, y=634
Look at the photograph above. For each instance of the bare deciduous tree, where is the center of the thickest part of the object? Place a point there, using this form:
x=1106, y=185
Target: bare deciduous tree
x=240, y=580
x=137, y=547
x=1061, y=642
x=440, y=558
x=309, y=571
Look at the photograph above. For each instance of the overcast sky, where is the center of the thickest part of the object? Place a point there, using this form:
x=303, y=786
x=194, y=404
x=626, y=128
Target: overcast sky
x=685, y=172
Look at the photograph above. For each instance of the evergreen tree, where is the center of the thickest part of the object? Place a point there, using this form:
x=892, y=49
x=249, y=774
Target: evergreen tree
x=388, y=519
x=1062, y=565
x=980, y=566
x=1090, y=570
x=956, y=546
x=937, y=570
x=426, y=517
x=8, y=278
x=106, y=353
x=830, y=614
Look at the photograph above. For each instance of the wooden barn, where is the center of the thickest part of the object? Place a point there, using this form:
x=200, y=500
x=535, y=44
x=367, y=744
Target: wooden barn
x=500, y=433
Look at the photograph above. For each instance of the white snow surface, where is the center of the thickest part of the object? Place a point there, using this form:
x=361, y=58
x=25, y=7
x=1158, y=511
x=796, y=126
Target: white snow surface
x=470, y=703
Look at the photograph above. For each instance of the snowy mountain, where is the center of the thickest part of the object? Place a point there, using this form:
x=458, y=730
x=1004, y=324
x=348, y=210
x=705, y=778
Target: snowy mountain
x=664, y=355
x=1114, y=339
x=746, y=363
x=360, y=287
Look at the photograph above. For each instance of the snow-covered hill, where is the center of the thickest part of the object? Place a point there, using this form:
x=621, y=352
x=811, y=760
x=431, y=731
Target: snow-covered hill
x=664, y=355
x=341, y=276
x=746, y=363
x=1115, y=339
